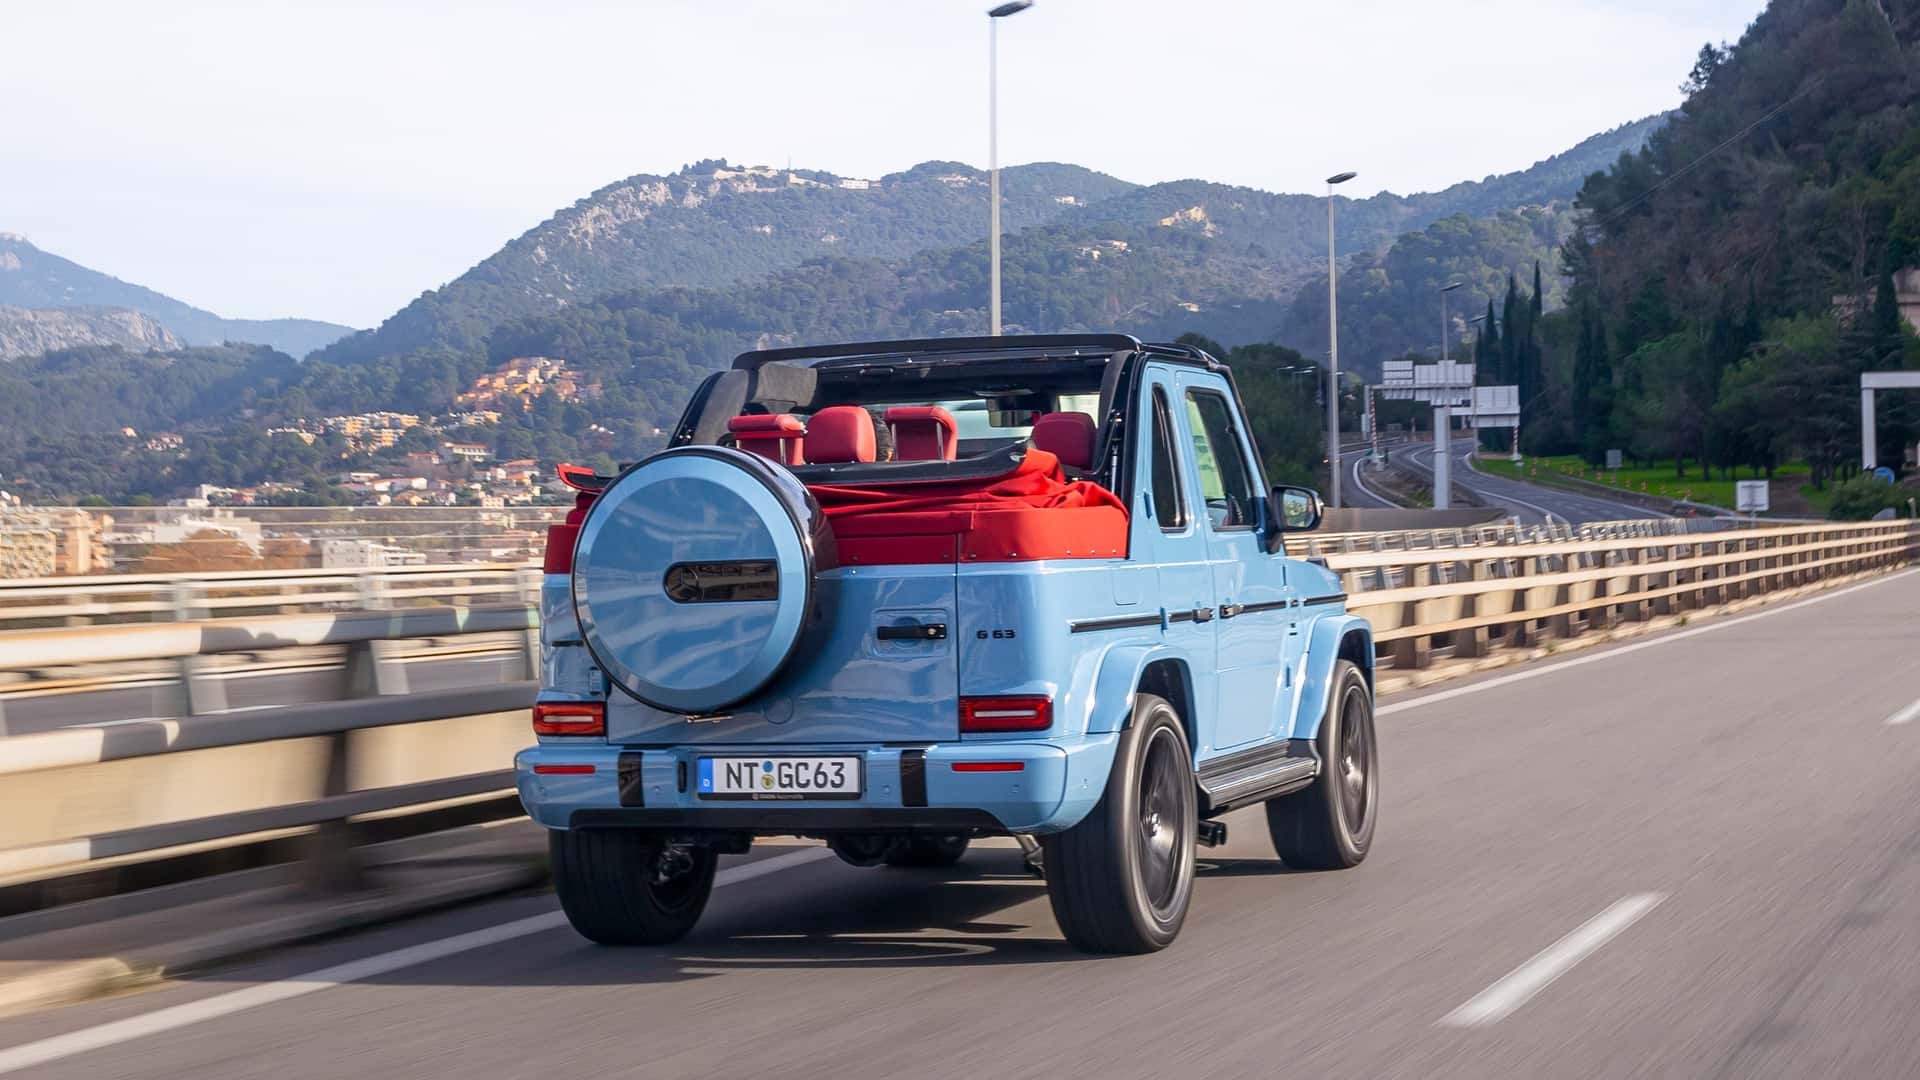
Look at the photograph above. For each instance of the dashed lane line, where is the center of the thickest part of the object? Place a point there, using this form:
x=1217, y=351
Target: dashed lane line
x=30, y=1055
x=1518, y=986
x=1905, y=716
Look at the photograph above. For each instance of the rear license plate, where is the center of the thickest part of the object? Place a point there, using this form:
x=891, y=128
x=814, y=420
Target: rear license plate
x=833, y=777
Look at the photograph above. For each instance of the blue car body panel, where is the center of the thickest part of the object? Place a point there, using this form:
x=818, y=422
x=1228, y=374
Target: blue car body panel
x=1248, y=640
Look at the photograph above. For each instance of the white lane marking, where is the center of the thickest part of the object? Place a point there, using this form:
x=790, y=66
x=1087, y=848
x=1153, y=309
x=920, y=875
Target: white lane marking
x=1467, y=460
x=1519, y=986
x=1905, y=716
x=174, y=1017
x=1655, y=641
x=1361, y=485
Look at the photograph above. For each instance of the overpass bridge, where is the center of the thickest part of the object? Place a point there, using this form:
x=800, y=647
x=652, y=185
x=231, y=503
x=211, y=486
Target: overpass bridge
x=1660, y=822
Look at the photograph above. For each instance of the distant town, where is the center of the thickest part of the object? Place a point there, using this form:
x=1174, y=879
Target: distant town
x=493, y=511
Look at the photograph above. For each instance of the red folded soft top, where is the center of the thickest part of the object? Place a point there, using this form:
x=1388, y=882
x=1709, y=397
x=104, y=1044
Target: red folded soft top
x=1030, y=512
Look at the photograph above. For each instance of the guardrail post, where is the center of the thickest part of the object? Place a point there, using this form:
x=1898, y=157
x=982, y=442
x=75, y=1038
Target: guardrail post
x=371, y=672
x=197, y=693
x=1415, y=651
x=1562, y=625
x=1664, y=603
x=1412, y=652
x=332, y=862
x=372, y=587
x=1473, y=641
x=332, y=852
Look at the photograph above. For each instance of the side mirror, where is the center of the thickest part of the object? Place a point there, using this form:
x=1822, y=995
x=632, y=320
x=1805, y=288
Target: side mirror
x=1291, y=509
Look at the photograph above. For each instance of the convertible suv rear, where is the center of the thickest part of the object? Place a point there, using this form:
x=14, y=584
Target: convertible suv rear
x=900, y=595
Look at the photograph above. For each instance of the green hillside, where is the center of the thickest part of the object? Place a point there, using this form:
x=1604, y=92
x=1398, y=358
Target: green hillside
x=1734, y=278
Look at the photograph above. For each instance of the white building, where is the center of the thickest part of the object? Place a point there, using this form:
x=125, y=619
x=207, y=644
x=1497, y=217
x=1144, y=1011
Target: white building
x=359, y=554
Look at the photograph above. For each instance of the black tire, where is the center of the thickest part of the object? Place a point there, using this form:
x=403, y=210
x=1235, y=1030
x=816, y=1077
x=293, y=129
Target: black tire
x=929, y=851
x=1122, y=879
x=605, y=880
x=1329, y=825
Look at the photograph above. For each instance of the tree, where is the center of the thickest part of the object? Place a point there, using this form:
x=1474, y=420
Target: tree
x=1709, y=61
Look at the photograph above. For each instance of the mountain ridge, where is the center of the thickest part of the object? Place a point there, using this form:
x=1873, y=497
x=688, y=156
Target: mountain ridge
x=713, y=223
x=31, y=277
x=32, y=331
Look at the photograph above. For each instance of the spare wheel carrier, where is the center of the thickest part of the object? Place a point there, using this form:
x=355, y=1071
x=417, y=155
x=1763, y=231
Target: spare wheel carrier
x=693, y=576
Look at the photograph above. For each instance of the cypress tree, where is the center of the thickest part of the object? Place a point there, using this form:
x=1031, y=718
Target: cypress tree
x=1510, y=318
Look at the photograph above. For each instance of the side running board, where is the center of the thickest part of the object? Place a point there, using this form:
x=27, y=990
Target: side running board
x=1251, y=776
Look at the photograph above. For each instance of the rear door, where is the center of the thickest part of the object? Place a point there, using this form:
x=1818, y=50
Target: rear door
x=878, y=666
x=1255, y=628
x=1179, y=544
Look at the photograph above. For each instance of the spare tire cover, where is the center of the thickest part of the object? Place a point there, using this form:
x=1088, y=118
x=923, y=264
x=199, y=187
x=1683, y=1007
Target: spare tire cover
x=693, y=576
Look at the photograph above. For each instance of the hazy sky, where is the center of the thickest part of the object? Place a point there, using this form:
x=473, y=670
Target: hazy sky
x=333, y=160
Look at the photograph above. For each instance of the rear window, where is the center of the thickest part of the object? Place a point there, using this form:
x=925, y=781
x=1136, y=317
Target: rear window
x=975, y=420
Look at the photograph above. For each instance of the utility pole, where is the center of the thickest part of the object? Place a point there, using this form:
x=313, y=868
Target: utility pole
x=1443, y=420
x=1013, y=7
x=1333, y=351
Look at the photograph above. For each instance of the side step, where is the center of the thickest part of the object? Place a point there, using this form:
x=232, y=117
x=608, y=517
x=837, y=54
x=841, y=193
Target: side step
x=1251, y=776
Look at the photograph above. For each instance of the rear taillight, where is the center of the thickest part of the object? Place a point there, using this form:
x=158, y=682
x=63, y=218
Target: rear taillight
x=570, y=718
x=987, y=714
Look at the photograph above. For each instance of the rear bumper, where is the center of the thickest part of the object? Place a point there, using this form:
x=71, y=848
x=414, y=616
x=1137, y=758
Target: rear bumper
x=801, y=819
x=906, y=788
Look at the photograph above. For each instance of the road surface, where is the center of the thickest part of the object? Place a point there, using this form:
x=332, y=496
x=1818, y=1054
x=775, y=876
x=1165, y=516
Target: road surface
x=1697, y=855
x=1531, y=503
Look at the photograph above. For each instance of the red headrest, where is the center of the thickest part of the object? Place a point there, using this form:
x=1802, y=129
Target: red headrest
x=771, y=435
x=1067, y=436
x=923, y=433
x=840, y=434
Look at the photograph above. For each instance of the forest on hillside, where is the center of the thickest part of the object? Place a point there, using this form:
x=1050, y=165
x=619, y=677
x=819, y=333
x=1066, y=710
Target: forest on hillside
x=1730, y=282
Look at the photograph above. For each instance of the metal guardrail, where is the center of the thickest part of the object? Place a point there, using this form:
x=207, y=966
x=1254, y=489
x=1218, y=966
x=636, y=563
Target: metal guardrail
x=160, y=784
x=27, y=603
x=87, y=794
x=1475, y=599
x=1309, y=545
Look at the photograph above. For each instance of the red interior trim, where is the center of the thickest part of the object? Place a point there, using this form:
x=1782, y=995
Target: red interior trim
x=1031, y=512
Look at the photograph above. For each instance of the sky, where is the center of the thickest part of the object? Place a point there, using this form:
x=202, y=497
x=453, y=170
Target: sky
x=334, y=160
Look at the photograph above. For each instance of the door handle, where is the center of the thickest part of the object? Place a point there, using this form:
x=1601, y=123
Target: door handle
x=913, y=632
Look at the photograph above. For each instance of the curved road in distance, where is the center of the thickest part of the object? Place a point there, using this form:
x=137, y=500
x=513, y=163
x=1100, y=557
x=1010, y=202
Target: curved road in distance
x=1533, y=504
x=1631, y=861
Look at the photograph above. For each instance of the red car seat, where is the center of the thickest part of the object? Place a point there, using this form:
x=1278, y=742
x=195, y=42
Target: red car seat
x=1067, y=436
x=778, y=436
x=840, y=435
x=923, y=433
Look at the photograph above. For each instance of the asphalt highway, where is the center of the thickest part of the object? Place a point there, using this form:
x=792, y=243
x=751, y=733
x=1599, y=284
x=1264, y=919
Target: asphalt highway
x=1531, y=503
x=1696, y=855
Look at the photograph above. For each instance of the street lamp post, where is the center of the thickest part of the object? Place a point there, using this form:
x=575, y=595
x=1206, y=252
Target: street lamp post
x=1443, y=419
x=1012, y=7
x=1333, y=352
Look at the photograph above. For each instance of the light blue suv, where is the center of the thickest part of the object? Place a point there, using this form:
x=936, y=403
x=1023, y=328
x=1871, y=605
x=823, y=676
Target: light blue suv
x=899, y=595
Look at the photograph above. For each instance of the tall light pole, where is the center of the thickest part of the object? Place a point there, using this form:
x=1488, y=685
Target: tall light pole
x=1443, y=418
x=1333, y=351
x=1012, y=7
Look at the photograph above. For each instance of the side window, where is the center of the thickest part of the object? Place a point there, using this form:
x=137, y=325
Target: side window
x=1226, y=484
x=1169, y=505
